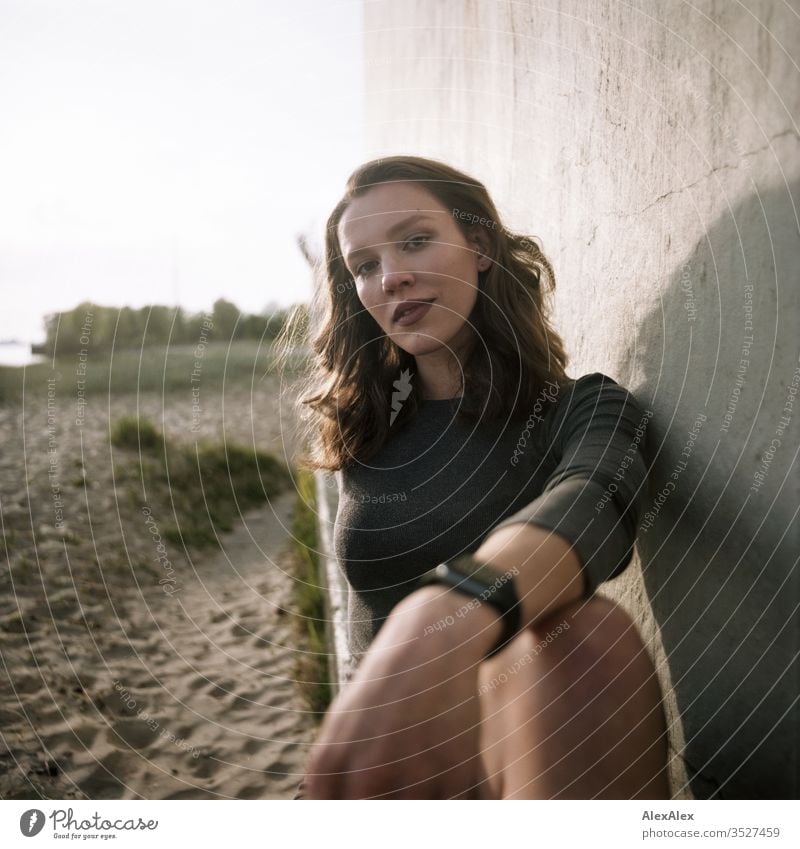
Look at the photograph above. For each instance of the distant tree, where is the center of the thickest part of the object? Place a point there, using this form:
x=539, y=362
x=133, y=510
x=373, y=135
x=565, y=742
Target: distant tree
x=158, y=320
x=226, y=317
x=252, y=326
x=65, y=330
x=129, y=329
x=275, y=323
x=104, y=320
x=99, y=328
x=50, y=325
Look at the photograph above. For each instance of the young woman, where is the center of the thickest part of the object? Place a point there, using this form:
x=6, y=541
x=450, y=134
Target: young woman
x=439, y=398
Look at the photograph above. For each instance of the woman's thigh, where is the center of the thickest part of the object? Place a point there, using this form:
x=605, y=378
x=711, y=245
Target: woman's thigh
x=572, y=709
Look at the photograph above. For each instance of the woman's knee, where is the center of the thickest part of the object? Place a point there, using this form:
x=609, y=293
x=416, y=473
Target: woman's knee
x=596, y=626
x=579, y=678
x=581, y=647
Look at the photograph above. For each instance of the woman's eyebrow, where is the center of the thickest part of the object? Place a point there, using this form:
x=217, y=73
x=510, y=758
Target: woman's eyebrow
x=400, y=225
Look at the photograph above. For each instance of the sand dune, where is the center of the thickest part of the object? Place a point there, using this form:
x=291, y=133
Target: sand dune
x=116, y=683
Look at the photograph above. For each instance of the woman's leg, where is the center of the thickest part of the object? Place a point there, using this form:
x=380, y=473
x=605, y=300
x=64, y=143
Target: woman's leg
x=574, y=712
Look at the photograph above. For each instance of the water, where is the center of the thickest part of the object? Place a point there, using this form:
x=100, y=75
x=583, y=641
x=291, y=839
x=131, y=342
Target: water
x=18, y=354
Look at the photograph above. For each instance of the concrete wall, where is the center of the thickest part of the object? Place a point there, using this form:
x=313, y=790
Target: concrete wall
x=653, y=147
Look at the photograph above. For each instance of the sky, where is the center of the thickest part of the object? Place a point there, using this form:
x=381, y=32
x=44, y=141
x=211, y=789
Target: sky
x=170, y=152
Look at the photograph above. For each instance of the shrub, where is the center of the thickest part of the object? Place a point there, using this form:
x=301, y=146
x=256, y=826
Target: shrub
x=205, y=486
x=136, y=434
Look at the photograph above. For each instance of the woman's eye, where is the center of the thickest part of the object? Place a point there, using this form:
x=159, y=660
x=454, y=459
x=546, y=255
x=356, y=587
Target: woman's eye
x=410, y=244
x=417, y=240
x=363, y=268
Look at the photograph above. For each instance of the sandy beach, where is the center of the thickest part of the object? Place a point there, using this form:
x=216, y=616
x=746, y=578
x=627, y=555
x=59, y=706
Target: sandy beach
x=132, y=667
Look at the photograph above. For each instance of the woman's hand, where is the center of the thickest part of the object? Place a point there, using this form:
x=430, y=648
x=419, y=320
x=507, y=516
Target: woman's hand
x=407, y=726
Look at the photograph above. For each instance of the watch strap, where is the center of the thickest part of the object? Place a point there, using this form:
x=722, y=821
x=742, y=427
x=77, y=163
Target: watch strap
x=470, y=576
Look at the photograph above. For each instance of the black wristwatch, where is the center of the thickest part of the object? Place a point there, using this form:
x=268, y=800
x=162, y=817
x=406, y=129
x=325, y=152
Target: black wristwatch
x=470, y=576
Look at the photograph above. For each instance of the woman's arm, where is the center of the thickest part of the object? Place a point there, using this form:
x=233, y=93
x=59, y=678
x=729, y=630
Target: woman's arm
x=594, y=495
x=408, y=723
x=546, y=572
x=545, y=566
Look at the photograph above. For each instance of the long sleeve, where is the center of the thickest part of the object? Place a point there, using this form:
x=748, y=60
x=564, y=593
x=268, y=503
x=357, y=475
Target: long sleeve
x=594, y=495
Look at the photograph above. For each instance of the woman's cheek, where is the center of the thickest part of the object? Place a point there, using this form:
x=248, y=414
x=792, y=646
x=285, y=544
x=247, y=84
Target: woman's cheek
x=368, y=297
x=379, y=310
x=378, y=316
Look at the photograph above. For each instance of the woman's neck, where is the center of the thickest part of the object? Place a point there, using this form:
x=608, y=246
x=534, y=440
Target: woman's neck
x=440, y=380
x=440, y=373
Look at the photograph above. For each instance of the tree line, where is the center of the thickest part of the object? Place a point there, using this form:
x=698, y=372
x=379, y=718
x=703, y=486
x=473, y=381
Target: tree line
x=98, y=327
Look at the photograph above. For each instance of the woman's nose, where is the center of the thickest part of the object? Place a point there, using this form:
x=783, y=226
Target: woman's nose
x=394, y=279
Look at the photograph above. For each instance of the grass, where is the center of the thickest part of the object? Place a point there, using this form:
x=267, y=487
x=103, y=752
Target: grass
x=136, y=434
x=204, y=486
x=151, y=369
x=313, y=669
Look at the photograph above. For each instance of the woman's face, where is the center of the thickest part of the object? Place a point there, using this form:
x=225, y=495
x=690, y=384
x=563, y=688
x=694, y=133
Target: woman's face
x=403, y=248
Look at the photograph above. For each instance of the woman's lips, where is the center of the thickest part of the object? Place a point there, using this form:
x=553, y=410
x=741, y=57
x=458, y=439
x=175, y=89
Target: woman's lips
x=413, y=313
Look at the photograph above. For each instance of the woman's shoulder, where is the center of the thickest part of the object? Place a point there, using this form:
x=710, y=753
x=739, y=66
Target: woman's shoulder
x=596, y=394
x=593, y=379
x=591, y=384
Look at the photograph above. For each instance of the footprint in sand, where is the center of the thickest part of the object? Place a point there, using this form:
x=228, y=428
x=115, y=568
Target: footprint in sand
x=222, y=689
x=82, y=736
x=27, y=684
x=238, y=630
x=205, y=766
x=133, y=733
x=198, y=683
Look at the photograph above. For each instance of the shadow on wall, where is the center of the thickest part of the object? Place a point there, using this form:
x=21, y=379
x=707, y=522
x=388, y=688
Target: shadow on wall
x=719, y=537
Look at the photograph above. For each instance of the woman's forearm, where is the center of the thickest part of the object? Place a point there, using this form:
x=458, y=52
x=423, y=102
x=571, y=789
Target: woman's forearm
x=545, y=567
x=546, y=572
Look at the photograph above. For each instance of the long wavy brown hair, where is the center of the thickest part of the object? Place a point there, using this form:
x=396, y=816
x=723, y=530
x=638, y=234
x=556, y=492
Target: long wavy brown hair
x=347, y=387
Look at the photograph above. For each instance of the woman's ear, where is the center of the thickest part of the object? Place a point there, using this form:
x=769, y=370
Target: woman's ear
x=482, y=246
x=484, y=262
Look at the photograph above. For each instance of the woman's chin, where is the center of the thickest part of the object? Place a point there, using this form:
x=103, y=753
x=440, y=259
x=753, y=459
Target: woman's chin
x=416, y=344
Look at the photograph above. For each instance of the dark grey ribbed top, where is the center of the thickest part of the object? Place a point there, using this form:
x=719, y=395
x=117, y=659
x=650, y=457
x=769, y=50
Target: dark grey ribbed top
x=440, y=484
